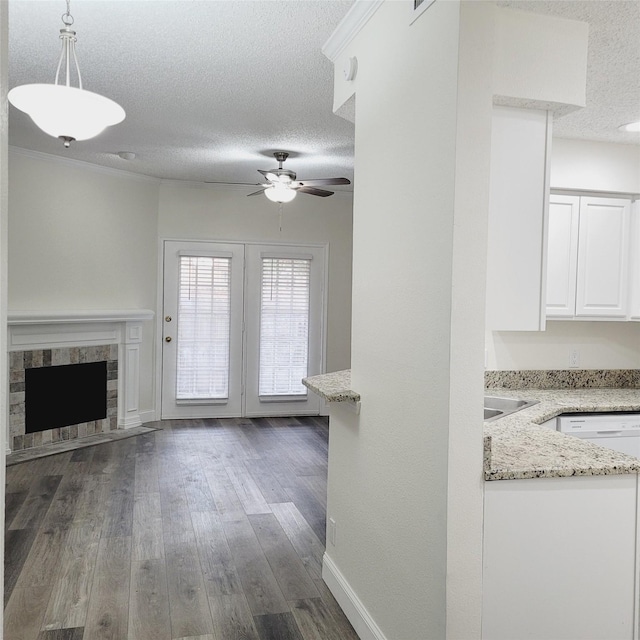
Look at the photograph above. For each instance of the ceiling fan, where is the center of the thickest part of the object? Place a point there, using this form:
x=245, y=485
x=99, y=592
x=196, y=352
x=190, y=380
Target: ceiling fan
x=282, y=186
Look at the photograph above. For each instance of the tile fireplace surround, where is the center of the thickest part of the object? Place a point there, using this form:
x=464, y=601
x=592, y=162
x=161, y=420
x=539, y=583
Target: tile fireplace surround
x=44, y=339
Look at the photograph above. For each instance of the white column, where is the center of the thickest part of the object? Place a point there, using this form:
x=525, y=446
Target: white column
x=129, y=376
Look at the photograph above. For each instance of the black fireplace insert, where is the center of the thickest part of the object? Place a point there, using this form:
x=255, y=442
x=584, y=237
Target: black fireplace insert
x=65, y=395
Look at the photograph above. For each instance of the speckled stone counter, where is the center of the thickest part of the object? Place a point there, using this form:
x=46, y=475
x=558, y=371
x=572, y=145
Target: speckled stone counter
x=333, y=387
x=516, y=447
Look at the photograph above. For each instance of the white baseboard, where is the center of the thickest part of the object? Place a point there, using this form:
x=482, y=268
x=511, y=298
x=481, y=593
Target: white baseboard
x=356, y=613
x=148, y=416
x=129, y=422
x=137, y=419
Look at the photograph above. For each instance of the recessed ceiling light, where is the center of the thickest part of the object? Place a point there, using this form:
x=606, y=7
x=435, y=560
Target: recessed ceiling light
x=633, y=127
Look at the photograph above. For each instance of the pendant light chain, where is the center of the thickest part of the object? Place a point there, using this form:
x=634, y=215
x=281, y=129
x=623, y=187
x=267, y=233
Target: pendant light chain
x=67, y=18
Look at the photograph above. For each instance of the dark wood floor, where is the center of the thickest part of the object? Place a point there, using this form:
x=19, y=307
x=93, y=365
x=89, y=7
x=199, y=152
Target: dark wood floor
x=205, y=529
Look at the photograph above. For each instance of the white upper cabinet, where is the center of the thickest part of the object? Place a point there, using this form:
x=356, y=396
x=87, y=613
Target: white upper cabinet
x=588, y=258
x=518, y=207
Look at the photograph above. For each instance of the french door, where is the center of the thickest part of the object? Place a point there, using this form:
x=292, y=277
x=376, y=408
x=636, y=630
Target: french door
x=243, y=324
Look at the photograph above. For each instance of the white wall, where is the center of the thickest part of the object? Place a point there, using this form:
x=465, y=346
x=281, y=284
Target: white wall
x=389, y=468
x=601, y=345
x=81, y=238
x=597, y=166
x=4, y=186
x=190, y=211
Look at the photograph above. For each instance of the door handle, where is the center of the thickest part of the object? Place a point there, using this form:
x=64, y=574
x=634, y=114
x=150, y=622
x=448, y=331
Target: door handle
x=167, y=339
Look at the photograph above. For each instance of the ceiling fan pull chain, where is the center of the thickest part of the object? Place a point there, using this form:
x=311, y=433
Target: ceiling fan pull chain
x=280, y=218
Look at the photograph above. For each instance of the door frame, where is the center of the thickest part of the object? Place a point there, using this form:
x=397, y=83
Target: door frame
x=159, y=325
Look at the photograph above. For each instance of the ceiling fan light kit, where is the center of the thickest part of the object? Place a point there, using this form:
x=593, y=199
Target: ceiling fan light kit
x=60, y=110
x=280, y=193
x=282, y=186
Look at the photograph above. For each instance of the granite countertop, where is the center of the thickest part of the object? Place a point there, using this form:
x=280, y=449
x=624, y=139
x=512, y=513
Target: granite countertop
x=333, y=387
x=516, y=447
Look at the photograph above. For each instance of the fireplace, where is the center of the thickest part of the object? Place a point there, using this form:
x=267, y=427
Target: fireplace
x=61, y=394
x=73, y=374
x=65, y=395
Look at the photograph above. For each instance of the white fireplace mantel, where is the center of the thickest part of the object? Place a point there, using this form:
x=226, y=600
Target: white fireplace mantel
x=66, y=317
x=32, y=330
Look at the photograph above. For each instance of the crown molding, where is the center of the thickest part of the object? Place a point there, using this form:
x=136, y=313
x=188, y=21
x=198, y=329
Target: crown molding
x=349, y=27
x=196, y=184
x=121, y=173
x=82, y=164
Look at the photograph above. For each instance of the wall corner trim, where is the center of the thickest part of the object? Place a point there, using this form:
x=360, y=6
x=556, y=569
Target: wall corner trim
x=357, y=614
x=349, y=27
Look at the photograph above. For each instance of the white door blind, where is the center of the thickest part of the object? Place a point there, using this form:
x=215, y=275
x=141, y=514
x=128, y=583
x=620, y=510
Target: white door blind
x=284, y=326
x=204, y=313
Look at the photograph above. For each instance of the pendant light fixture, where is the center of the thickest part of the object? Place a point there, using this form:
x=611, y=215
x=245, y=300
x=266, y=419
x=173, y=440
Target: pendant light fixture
x=60, y=110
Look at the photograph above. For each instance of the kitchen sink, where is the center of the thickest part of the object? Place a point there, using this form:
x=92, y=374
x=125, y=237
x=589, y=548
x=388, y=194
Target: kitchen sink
x=496, y=407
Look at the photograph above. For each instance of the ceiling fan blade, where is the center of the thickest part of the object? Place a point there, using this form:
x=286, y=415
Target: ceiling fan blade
x=318, y=181
x=244, y=184
x=313, y=191
x=256, y=193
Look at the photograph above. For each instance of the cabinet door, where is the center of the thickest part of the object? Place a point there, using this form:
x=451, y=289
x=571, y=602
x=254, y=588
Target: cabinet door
x=518, y=208
x=562, y=255
x=544, y=541
x=602, y=283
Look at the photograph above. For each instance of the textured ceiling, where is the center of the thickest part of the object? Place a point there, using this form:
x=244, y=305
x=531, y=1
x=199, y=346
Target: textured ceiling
x=613, y=66
x=213, y=87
